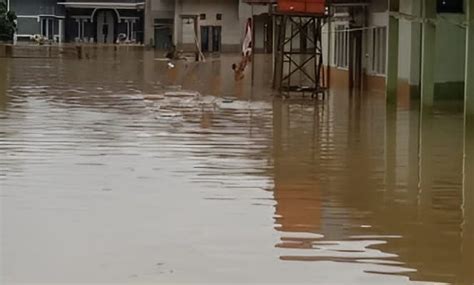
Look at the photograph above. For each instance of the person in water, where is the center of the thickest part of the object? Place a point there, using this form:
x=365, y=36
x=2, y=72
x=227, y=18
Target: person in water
x=239, y=69
x=172, y=52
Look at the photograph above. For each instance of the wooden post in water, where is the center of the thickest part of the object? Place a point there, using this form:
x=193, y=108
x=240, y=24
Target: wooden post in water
x=8, y=50
x=3, y=52
x=79, y=51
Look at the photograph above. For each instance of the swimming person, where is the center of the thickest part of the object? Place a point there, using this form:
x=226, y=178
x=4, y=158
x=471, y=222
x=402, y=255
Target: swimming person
x=240, y=68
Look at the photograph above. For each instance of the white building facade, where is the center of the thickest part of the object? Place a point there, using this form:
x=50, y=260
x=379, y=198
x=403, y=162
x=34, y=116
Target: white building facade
x=449, y=47
x=214, y=25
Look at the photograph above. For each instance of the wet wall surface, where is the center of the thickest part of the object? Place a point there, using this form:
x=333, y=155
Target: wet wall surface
x=122, y=169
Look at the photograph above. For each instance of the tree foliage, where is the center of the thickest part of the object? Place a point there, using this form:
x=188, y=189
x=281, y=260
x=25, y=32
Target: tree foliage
x=7, y=23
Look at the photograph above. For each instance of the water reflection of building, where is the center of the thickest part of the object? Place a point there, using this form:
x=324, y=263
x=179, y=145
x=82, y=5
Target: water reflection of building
x=84, y=20
x=297, y=190
x=424, y=228
x=104, y=21
x=468, y=201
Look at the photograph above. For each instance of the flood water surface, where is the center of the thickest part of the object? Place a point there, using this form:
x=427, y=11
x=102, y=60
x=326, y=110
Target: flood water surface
x=126, y=170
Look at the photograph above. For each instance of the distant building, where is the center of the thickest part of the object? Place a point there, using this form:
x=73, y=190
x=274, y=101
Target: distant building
x=103, y=21
x=217, y=25
x=364, y=27
x=80, y=20
x=39, y=17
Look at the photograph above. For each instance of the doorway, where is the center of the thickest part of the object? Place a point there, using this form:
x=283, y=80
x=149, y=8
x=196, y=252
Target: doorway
x=163, y=33
x=211, y=38
x=355, y=59
x=105, y=27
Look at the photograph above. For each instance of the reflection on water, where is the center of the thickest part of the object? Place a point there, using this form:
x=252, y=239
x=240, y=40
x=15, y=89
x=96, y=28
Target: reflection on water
x=123, y=169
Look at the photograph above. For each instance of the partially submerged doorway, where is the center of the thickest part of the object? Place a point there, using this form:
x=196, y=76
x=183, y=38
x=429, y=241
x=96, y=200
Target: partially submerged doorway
x=163, y=33
x=211, y=38
x=105, y=26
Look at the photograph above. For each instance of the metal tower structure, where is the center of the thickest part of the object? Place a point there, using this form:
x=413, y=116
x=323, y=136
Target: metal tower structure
x=299, y=54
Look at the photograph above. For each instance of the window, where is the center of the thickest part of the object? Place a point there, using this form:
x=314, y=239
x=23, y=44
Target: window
x=47, y=28
x=219, y=17
x=202, y=17
x=379, y=50
x=341, y=50
x=450, y=6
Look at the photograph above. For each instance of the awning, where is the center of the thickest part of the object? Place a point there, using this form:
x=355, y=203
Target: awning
x=103, y=5
x=260, y=2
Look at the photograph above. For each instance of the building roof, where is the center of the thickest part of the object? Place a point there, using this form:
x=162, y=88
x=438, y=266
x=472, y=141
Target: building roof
x=333, y=2
x=115, y=4
x=260, y=2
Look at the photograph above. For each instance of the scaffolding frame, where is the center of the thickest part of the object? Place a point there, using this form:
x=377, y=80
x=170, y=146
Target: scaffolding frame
x=307, y=62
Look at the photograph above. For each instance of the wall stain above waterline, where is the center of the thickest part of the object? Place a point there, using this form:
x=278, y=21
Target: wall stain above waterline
x=114, y=166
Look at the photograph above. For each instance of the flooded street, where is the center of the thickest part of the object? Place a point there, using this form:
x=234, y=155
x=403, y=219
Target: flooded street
x=120, y=169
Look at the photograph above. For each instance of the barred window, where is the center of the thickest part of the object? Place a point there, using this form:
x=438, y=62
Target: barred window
x=379, y=50
x=341, y=54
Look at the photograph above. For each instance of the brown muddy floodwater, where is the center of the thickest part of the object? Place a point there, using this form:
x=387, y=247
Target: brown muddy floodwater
x=120, y=169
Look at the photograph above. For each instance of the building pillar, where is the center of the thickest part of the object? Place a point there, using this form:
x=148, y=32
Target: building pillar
x=392, y=59
x=133, y=28
x=329, y=54
x=82, y=28
x=415, y=61
x=177, y=22
x=428, y=53
x=274, y=44
x=469, y=81
x=61, y=31
x=468, y=183
x=129, y=37
x=149, y=36
x=79, y=29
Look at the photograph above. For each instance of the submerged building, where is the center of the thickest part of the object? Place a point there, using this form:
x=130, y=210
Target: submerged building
x=216, y=25
x=104, y=21
x=366, y=43
x=375, y=41
x=39, y=17
x=80, y=20
x=357, y=48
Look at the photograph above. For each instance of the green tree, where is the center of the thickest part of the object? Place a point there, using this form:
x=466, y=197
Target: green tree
x=7, y=23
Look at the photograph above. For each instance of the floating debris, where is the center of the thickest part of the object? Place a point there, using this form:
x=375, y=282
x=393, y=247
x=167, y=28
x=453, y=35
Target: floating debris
x=182, y=94
x=227, y=100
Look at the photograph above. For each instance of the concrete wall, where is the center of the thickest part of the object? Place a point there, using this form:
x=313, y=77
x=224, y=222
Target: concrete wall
x=450, y=50
x=234, y=16
x=245, y=12
x=28, y=26
x=28, y=12
x=157, y=9
x=450, y=47
x=231, y=30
